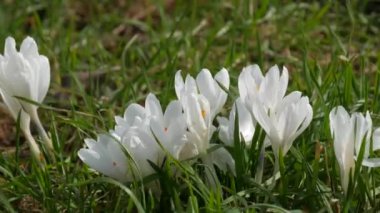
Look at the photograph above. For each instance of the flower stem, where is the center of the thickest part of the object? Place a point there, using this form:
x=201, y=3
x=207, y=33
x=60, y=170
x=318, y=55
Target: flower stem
x=260, y=166
x=34, y=148
x=45, y=138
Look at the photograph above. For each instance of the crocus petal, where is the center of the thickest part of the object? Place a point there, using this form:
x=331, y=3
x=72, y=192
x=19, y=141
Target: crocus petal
x=29, y=47
x=223, y=78
x=44, y=77
x=261, y=116
x=179, y=85
x=224, y=133
x=376, y=139
x=269, y=87
x=283, y=83
x=249, y=83
x=133, y=111
x=190, y=85
x=132, y=114
x=106, y=156
x=10, y=47
x=158, y=131
x=153, y=106
x=223, y=160
x=371, y=162
x=173, y=112
x=207, y=87
x=246, y=125
x=205, y=84
x=186, y=150
x=361, y=128
x=302, y=115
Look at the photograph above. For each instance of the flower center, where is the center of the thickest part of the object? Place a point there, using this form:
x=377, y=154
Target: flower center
x=203, y=112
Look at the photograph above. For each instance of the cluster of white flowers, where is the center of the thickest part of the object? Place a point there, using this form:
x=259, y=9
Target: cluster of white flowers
x=185, y=129
x=146, y=134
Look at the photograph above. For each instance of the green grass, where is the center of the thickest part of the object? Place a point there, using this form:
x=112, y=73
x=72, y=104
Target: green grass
x=107, y=54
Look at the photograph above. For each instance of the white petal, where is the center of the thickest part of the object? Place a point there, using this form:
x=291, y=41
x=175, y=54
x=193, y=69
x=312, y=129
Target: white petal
x=190, y=85
x=159, y=131
x=269, y=87
x=196, y=113
x=106, y=156
x=362, y=128
x=249, y=84
x=16, y=76
x=291, y=98
x=246, y=125
x=44, y=75
x=376, y=139
x=133, y=111
x=153, y=106
x=143, y=147
x=303, y=115
x=179, y=85
x=186, y=150
x=337, y=116
x=223, y=78
x=223, y=160
x=173, y=112
x=10, y=47
x=207, y=87
x=261, y=116
x=283, y=83
x=29, y=47
x=224, y=134
x=372, y=162
x=176, y=130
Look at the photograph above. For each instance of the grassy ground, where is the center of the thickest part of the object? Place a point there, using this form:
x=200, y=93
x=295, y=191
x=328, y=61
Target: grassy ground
x=107, y=54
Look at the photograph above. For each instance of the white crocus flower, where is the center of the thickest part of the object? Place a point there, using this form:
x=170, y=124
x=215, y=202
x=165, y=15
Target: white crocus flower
x=24, y=74
x=109, y=156
x=200, y=130
x=133, y=133
x=206, y=85
x=284, y=122
x=282, y=118
x=137, y=115
x=106, y=156
x=202, y=99
x=349, y=132
x=245, y=124
x=168, y=128
x=271, y=88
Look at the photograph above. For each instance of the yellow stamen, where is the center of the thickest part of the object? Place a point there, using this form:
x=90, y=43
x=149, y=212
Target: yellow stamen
x=203, y=112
